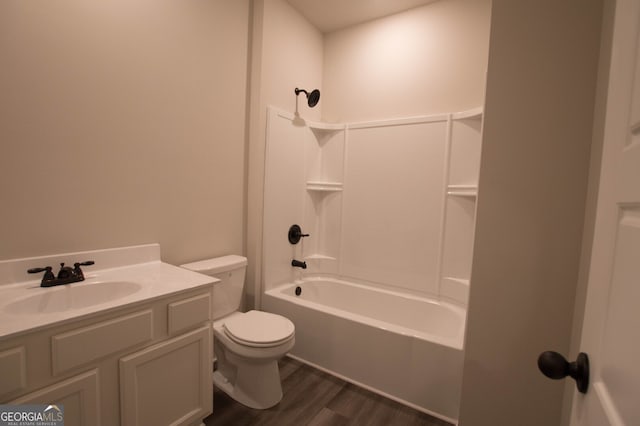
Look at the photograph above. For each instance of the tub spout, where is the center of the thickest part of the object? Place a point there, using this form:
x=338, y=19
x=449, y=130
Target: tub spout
x=298, y=264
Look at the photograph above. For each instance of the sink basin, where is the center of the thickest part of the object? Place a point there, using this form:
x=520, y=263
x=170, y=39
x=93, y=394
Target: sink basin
x=72, y=296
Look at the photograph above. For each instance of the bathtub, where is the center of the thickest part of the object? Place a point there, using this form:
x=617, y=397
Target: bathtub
x=404, y=347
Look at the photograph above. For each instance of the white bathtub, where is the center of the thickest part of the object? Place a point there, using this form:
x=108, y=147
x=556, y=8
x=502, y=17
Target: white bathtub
x=405, y=347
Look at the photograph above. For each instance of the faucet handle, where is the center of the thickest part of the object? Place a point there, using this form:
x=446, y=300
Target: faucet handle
x=36, y=270
x=76, y=267
x=48, y=273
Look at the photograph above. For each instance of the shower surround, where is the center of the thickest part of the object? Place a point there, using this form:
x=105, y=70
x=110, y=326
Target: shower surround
x=389, y=206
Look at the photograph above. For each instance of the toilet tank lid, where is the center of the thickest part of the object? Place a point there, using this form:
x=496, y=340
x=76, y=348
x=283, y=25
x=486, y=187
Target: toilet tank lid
x=217, y=264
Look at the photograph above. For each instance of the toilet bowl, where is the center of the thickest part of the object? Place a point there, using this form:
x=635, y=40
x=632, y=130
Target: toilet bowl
x=247, y=346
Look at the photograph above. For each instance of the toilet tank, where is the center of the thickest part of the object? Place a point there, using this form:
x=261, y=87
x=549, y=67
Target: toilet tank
x=228, y=293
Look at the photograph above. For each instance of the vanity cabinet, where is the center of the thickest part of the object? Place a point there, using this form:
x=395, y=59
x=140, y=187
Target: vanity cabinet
x=146, y=364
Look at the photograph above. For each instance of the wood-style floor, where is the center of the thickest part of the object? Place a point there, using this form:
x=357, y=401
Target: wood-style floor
x=312, y=397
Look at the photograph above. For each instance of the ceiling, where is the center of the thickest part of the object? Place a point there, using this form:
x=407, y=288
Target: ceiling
x=331, y=15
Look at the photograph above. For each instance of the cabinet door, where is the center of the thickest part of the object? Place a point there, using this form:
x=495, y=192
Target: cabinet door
x=168, y=383
x=78, y=395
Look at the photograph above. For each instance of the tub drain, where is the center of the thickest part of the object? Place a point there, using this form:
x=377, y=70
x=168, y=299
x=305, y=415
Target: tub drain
x=298, y=290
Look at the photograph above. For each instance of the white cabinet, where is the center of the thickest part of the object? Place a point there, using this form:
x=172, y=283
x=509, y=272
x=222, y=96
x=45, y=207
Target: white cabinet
x=146, y=364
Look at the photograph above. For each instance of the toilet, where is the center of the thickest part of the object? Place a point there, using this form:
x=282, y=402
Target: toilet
x=247, y=346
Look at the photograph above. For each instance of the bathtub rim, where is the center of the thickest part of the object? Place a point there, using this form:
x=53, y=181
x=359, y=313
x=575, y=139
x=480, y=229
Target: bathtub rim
x=456, y=342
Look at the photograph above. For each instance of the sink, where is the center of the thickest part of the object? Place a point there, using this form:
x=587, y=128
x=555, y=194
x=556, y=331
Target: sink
x=72, y=296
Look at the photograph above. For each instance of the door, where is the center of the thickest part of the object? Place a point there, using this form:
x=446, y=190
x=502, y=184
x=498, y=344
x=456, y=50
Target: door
x=612, y=314
x=79, y=395
x=168, y=383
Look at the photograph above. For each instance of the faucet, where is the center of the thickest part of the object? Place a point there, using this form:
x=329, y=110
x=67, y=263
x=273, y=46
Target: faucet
x=299, y=264
x=66, y=275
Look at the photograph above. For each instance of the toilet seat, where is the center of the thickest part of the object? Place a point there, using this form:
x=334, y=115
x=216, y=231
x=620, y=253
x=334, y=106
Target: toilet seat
x=259, y=329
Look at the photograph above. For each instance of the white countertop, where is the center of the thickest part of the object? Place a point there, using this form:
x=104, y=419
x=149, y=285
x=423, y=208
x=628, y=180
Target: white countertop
x=155, y=279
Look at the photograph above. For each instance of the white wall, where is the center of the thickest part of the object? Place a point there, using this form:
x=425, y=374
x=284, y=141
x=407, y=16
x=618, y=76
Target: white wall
x=392, y=205
x=122, y=122
x=286, y=53
x=427, y=60
x=541, y=85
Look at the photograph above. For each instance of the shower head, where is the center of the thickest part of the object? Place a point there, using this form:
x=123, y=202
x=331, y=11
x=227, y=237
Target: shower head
x=312, y=98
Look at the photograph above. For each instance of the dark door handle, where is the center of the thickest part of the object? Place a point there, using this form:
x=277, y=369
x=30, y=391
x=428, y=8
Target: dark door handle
x=555, y=366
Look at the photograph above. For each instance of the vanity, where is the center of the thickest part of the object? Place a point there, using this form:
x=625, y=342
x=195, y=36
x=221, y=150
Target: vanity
x=129, y=345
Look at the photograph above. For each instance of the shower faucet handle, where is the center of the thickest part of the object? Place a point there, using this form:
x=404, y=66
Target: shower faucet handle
x=295, y=233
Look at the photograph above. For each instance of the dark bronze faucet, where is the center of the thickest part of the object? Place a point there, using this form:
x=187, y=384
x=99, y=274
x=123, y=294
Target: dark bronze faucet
x=66, y=275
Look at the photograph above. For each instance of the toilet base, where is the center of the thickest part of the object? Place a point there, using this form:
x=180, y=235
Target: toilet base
x=256, y=386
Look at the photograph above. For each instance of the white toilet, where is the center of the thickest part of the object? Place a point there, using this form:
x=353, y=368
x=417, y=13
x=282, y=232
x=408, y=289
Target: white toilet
x=247, y=345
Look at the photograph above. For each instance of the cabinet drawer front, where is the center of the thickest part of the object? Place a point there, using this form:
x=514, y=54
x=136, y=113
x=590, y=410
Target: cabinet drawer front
x=83, y=345
x=13, y=370
x=189, y=313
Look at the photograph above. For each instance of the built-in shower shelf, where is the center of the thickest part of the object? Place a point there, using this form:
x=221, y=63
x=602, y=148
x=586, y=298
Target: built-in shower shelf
x=462, y=190
x=455, y=288
x=472, y=114
x=321, y=263
x=319, y=257
x=322, y=186
x=457, y=280
x=325, y=126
